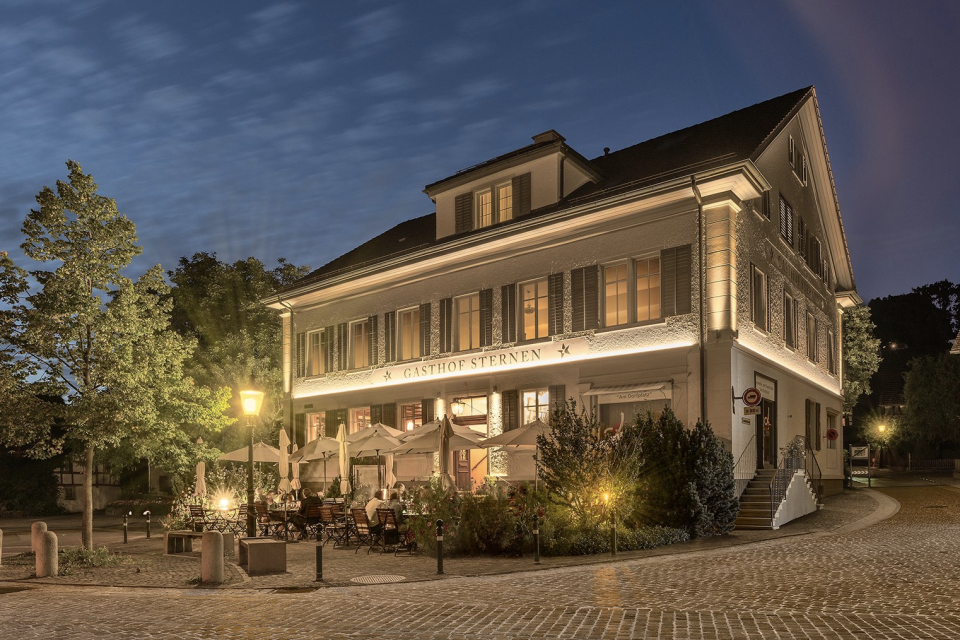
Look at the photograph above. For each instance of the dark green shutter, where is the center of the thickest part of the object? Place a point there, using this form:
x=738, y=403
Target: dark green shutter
x=802, y=238
x=388, y=415
x=521, y=195
x=684, y=279
x=817, y=435
x=586, y=303
x=331, y=419
x=511, y=409
x=676, y=281
x=765, y=204
x=464, y=213
x=373, y=351
x=343, y=340
x=299, y=429
x=427, y=407
x=808, y=422
x=555, y=303
x=446, y=325
x=376, y=413
x=508, y=311
x=558, y=396
x=486, y=317
x=390, y=336
x=301, y=354
x=326, y=348
x=425, y=329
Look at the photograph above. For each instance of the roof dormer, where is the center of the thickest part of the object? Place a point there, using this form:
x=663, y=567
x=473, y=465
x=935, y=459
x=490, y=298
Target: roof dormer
x=509, y=186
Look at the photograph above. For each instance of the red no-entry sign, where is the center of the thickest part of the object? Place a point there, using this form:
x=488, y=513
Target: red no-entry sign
x=751, y=397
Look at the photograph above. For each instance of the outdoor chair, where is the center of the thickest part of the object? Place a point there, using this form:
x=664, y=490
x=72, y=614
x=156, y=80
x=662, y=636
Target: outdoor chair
x=266, y=525
x=390, y=532
x=237, y=525
x=312, y=522
x=365, y=533
x=332, y=527
x=198, y=518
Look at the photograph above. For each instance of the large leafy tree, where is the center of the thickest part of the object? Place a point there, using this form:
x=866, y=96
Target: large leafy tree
x=931, y=420
x=218, y=305
x=861, y=355
x=88, y=362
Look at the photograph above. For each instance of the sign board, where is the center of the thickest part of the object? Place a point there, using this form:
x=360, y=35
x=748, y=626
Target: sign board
x=751, y=397
x=832, y=434
x=860, y=453
x=751, y=411
x=766, y=387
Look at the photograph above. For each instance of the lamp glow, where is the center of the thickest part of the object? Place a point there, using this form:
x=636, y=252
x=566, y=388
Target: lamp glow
x=251, y=402
x=457, y=406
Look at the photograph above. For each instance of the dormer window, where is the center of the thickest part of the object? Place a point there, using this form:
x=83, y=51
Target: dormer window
x=493, y=204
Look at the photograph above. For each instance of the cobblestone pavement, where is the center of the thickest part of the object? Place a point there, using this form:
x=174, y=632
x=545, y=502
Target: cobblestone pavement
x=896, y=578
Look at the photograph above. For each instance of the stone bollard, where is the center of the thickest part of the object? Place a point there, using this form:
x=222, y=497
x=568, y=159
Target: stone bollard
x=211, y=558
x=37, y=529
x=1, y=546
x=48, y=562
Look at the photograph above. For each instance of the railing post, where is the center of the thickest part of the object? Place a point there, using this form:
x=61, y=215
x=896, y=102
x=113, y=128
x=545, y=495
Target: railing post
x=439, y=546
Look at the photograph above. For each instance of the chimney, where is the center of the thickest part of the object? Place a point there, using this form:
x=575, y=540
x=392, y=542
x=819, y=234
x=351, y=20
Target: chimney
x=548, y=136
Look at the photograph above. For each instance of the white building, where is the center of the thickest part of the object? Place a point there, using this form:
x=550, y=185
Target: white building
x=677, y=272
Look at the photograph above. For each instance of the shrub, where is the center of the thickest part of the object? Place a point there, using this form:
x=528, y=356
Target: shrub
x=80, y=558
x=687, y=478
x=28, y=487
x=488, y=522
x=595, y=540
x=434, y=501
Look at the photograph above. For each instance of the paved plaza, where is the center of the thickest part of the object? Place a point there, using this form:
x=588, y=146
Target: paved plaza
x=881, y=563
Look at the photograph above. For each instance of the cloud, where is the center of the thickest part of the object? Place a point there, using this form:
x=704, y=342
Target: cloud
x=145, y=40
x=269, y=25
x=375, y=28
x=390, y=82
x=454, y=53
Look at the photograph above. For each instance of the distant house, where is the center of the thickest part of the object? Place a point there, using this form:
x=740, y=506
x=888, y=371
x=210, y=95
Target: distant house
x=955, y=348
x=678, y=272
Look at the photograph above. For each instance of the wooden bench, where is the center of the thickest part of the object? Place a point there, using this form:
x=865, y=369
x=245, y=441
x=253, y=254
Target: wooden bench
x=259, y=556
x=182, y=542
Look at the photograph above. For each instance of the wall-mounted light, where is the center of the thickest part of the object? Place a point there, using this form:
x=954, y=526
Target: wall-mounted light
x=457, y=406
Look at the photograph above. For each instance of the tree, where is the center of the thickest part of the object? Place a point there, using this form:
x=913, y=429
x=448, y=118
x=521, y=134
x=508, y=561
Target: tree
x=218, y=305
x=945, y=296
x=861, y=355
x=931, y=420
x=95, y=340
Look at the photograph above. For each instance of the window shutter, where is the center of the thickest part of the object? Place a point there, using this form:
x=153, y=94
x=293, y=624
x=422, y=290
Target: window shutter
x=390, y=336
x=300, y=429
x=816, y=433
x=586, y=307
x=425, y=329
x=508, y=310
x=521, y=195
x=388, y=415
x=558, y=396
x=808, y=426
x=376, y=413
x=684, y=279
x=555, y=303
x=486, y=317
x=427, y=406
x=373, y=352
x=326, y=339
x=511, y=409
x=446, y=325
x=342, y=341
x=765, y=204
x=301, y=354
x=331, y=424
x=464, y=213
x=668, y=282
x=341, y=417
x=801, y=238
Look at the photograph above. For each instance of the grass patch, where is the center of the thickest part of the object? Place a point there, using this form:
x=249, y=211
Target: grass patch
x=80, y=558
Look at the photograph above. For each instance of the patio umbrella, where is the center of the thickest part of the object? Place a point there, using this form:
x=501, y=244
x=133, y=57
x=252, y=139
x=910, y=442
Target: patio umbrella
x=321, y=448
x=201, y=487
x=430, y=442
x=524, y=437
x=344, y=458
x=374, y=430
x=426, y=427
x=284, y=486
x=446, y=432
x=372, y=446
x=295, y=471
x=261, y=453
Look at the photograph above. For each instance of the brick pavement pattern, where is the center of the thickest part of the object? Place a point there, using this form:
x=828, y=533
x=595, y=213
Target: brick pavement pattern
x=898, y=578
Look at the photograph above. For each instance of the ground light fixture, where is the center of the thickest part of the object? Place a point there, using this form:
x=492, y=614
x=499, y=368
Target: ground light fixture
x=251, y=401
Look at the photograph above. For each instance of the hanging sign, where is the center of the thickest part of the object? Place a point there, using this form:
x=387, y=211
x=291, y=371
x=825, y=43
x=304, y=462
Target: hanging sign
x=751, y=397
x=751, y=411
x=832, y=434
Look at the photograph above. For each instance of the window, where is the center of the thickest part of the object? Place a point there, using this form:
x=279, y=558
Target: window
x=786, y=221
x=411, y=416
x=534, y=308
x=468, y=322
x=316, y=426
x=803, y=169
x=359, y=419
x=831, y=352
x=648, y=288
x=408, y=333
x=536, y=404
x=360, y=344
x=789, y=321
x=484, y=209
x=615, y=295
x=812, y=352
x=758, y=299
x=505, y=202
x=791, y=152
x=316, y=353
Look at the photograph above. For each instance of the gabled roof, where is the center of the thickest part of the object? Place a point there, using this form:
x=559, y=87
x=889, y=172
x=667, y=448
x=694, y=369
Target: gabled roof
x=737, y=136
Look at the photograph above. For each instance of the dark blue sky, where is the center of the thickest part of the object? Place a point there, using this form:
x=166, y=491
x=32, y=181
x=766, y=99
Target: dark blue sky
x=303, y=129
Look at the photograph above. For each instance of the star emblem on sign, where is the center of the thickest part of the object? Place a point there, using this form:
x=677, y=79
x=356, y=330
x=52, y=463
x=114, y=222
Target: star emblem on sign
x=386, y=376
x=564, y=350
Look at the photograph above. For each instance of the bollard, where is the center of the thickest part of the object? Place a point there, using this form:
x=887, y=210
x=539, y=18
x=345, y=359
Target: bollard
x=439, y=546
x=125, y=527
x=536, y=538
x=37, y=529
x=211, y=558
x=48, y=563
x=613, y=547
x=147, y=513
x=319, y=561
x=1, y=546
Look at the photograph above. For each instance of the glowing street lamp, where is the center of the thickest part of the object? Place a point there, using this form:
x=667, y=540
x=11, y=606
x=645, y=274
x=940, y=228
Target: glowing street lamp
x=457, y=406
x=251, y=401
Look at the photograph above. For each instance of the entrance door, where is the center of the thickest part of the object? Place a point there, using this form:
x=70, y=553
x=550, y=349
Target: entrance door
x=461, y=461
x=767, y=435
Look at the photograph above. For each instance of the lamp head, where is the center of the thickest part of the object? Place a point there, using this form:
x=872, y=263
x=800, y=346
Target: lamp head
x=456, y=407
x=251, y=402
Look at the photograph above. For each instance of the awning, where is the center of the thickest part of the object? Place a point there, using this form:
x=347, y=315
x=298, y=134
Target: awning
x=615, y=393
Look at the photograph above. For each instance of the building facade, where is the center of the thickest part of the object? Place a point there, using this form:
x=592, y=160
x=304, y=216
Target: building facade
x=677, y=272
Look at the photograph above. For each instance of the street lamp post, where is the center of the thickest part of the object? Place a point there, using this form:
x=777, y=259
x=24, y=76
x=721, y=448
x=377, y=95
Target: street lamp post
x=251, y=401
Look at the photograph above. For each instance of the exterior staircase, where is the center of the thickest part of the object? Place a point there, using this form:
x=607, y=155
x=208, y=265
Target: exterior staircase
x=755, y=502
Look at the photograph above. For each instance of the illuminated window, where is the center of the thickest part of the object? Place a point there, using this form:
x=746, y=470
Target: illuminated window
x=316, y=353
x=316, y=426
x=468, y=322
x=359, y=344
x=534, y=309
x=615, y=295
x=812, y=351
x=359, y=419
x=484, y=209
x=536, y=404
x=408, y=334
x=505, y=202
x=411, y=416
x=758, y=302
x=648, y=288
x=789, y=321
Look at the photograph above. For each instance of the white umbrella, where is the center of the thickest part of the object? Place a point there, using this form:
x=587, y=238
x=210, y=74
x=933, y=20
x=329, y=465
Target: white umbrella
x=201, y=486
x=374, y=430
x=344, y=458
x=284, y=486
x=446, y=432
x=261, y=453
x=426, y=427
x=295, y=470
x=321, y=448
x=372, y=446
x=524, y=437
x=430, y=443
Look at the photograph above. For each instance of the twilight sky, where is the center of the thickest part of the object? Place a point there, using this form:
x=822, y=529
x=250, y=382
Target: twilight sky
x=303, y=129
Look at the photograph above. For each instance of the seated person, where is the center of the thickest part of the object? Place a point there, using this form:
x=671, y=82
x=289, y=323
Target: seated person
x=299, y=519
x=395, y=504
x=375, y=502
